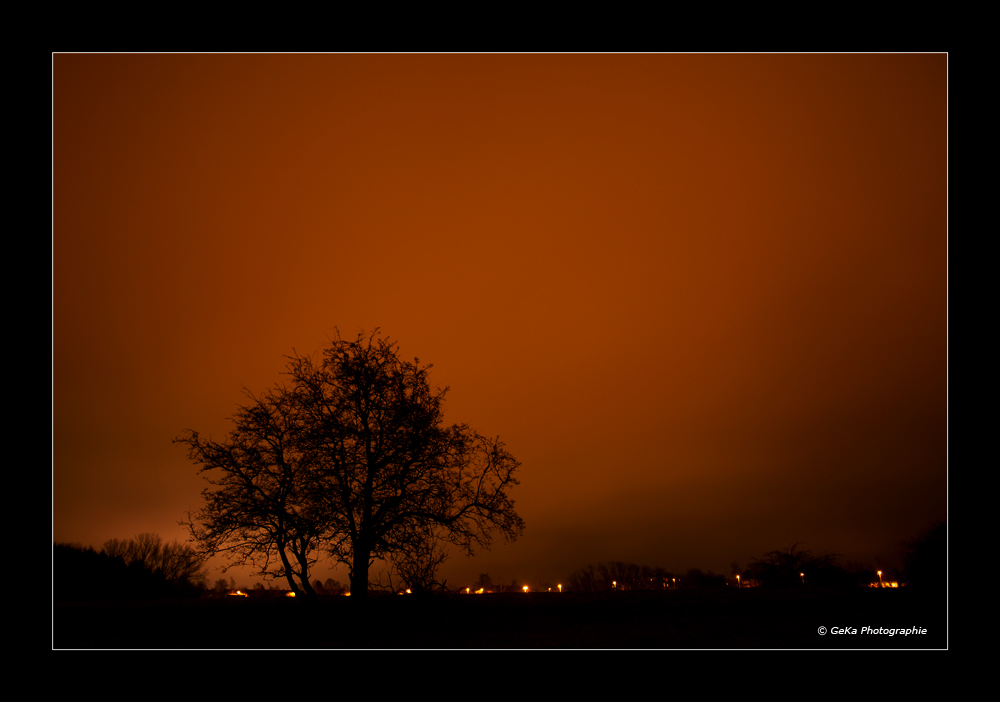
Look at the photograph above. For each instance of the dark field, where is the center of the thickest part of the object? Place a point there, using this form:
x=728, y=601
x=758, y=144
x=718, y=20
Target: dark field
x=724, y=619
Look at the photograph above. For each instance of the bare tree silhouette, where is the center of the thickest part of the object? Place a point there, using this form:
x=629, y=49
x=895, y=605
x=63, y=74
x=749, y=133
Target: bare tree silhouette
x=418, y=564
x=352, y=458
x=263, y=512
x=391, y=470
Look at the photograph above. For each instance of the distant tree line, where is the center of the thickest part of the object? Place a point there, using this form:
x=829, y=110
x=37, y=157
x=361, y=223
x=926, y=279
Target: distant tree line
x=925, y=566
x=224, y=588
x=139, y=568
x=617, y=575
x=794, y=567
x=486, y=584
x=330, y=587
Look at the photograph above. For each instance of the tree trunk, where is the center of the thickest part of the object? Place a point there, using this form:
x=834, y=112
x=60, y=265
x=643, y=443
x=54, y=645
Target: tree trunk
x=307, y=587
x=289, y=574
x=359, y=574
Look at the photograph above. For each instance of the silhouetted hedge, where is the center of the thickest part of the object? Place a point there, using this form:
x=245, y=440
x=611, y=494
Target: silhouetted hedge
x=82, y=574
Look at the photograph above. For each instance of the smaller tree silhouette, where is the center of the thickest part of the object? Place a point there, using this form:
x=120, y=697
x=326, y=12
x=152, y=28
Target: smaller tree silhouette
x=795, y=567
x=263, y=511
x=418, y=564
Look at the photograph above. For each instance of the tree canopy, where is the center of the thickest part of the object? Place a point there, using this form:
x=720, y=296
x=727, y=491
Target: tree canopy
x=352, y=458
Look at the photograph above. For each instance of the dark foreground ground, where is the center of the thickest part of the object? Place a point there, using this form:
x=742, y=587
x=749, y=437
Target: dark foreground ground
x=724, y=619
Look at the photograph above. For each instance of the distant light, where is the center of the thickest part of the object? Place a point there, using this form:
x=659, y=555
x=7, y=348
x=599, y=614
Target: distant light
x=525, y=588
x=290, y=594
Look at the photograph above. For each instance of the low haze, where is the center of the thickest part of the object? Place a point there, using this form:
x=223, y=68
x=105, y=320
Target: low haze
x=701, y=298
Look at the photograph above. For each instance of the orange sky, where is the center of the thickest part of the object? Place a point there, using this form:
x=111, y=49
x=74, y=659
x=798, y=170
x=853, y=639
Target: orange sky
x=702, y=298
